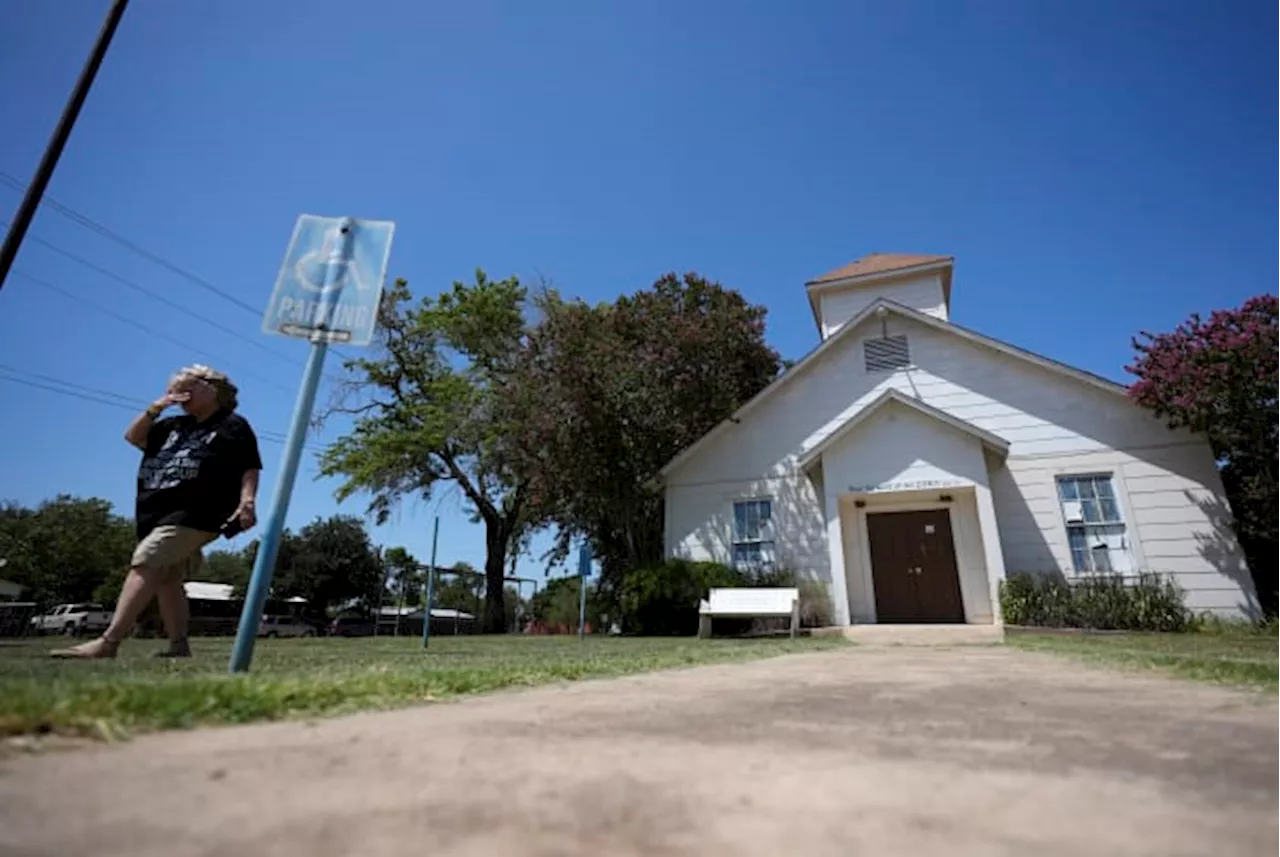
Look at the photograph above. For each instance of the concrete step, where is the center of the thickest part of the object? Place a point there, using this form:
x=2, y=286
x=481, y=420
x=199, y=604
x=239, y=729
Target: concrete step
x=918, y=635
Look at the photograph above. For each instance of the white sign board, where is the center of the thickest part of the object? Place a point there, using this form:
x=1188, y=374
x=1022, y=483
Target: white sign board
x=906, y=485
x=330, y=284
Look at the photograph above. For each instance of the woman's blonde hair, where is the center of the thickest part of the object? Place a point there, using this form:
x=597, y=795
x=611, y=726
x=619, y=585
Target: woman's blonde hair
x=223, y=388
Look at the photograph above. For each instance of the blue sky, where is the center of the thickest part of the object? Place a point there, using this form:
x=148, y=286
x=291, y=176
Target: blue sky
x=1095, y=167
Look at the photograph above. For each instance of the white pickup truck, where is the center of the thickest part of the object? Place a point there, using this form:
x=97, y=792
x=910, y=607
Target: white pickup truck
x=72, y=620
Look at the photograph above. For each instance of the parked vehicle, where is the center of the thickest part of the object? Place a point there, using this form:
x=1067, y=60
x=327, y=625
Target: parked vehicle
x=351, y=626
x=72, y=620
x=284, y=626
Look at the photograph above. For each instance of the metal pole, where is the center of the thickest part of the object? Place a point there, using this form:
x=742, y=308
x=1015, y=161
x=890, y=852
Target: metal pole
x=264, y=565
x=520, y=602
x=53, y=150
x=515, y=612
x=431, y=580
x=400, y=602
x=584, y=571
x=382, y=588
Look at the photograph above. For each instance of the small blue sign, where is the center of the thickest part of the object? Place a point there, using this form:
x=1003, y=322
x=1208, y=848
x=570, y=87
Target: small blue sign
x=584, y=561
x=330, y=284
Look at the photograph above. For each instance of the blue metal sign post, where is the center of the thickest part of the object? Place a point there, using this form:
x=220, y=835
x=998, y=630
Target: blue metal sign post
x=584, y=572
x=328, y=290
x=430, y=588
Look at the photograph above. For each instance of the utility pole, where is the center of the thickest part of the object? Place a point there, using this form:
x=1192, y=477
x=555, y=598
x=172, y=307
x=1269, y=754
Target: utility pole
x=53, y=150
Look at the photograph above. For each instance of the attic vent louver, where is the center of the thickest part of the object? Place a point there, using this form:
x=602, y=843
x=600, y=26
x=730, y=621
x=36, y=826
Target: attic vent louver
x=886, y=355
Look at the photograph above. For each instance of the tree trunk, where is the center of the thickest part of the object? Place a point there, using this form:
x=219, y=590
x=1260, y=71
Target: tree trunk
x=495, y=556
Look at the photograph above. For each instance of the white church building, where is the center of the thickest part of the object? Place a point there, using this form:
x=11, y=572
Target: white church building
x=910, y=464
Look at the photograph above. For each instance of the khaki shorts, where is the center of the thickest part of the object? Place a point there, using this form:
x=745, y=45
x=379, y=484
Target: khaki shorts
x=171, y=552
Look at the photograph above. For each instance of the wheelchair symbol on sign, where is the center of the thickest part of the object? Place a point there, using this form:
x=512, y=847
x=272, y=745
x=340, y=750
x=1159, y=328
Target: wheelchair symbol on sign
x=313, y=270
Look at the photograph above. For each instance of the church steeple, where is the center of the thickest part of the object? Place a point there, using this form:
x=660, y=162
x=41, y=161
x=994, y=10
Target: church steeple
x=918, y=281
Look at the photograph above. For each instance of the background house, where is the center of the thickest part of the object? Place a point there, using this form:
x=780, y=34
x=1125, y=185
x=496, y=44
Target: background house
x=9, y=591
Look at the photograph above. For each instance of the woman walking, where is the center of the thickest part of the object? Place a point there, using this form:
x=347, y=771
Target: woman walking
x=199, y=474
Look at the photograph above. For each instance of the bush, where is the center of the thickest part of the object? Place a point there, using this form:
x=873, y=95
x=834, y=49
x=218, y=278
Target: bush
x=815, y=599
x=662, y=600
x=556, y=605
x=1102, y=602
x=815, y=604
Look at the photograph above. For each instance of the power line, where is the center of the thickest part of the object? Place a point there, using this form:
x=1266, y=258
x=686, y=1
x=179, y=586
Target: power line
x=105, y=397
x=94, y=226
x=151, y=331
x=124, y=281
x=72, y=393
x=131, y=402
x=78, y=299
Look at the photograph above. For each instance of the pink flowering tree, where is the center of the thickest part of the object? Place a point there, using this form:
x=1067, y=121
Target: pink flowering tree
x=1218, y=376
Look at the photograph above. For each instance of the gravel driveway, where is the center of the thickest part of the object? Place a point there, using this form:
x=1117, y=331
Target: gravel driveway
x=895, y=751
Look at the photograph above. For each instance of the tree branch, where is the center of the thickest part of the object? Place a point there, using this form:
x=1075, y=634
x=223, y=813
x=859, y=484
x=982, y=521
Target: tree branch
x=483, y=504
x=362, y=409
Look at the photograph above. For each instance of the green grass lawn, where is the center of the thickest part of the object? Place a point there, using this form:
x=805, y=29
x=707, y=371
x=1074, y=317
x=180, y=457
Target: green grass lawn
x=1239, y=659
x=300, y=678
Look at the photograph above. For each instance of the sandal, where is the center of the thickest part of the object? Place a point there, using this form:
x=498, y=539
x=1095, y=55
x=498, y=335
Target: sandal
x=177, y=649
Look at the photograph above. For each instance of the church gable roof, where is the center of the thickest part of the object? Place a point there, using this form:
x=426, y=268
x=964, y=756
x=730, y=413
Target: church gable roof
x=836, y=339
x=994, y=442
x=878, y=263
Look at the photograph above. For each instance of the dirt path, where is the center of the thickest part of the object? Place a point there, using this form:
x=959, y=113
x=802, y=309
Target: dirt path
x=969, y=751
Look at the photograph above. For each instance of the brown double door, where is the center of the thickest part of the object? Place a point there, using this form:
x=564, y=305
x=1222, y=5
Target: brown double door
x=913, y=567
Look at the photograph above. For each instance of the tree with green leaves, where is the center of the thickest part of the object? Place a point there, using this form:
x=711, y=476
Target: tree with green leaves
x=65, y=548
x=557, y=604
x=426, y=413
x=460, y=587
x=228, y=567
x=329, y=562
x=605, y=395
x=403, y=576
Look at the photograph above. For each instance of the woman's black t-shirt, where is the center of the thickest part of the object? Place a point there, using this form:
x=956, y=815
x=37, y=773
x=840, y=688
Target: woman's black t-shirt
x=191, y=471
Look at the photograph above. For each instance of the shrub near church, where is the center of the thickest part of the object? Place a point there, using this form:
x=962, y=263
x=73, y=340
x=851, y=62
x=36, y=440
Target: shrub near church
x=1102, y=602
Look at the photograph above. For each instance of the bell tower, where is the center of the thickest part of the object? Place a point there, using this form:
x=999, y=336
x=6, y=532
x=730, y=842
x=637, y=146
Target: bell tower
x=920, y=282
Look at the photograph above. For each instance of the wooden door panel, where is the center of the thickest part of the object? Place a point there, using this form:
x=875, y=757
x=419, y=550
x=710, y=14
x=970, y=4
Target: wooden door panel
x=913, y=567
x=893, y=586
x=938, y=583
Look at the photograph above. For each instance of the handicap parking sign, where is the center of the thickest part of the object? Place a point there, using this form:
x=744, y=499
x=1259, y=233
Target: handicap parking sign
x=330, y=285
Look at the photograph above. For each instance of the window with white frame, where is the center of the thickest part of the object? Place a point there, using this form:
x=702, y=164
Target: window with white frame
x=753, y=539
x=1095, y=525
